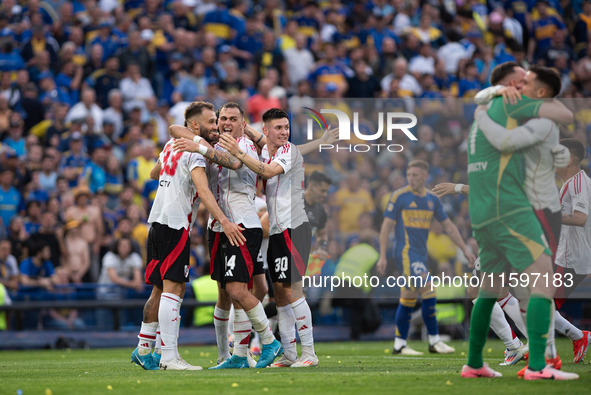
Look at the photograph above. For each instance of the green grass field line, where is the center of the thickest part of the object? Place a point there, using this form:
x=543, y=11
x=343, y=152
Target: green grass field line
x=345, y=368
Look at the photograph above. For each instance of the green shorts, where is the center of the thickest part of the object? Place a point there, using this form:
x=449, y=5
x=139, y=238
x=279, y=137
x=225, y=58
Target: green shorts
x=512, y=244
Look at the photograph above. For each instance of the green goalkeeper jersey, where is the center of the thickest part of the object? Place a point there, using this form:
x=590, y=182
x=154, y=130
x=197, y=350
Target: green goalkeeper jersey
x=496, y=179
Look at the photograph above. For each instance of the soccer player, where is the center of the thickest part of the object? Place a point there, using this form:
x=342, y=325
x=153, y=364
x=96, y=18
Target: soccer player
x=539, y=139
x=234, y=267
x=410, y=212
x=575, y=200
x=182, y=183
x=507, y=233
x=282, y=167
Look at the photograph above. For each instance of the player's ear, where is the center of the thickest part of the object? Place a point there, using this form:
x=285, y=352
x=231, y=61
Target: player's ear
x=265, y=130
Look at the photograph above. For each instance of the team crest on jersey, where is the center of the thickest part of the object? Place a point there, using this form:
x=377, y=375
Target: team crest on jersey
x=412, y=205
x=186, y=270
x=430, y=205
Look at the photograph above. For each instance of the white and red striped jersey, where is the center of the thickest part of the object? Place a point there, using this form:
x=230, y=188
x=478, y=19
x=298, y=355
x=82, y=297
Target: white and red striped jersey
x=285, y=192
x=176, y=202
x=235, y=190
x=574, y=247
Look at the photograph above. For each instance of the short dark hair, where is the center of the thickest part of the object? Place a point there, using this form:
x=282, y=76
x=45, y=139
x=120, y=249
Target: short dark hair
x=318, y=177
x=232, y=104
x=576, y=148
x=274, y=113
x=501, y=71
x=196, y=108
x=549, y=77
x=35, y=246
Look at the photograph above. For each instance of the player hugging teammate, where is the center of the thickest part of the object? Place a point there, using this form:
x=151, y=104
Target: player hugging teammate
x=235, y=235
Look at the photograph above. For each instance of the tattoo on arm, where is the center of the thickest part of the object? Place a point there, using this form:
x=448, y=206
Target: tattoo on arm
x=261, y=169
x=222, y=158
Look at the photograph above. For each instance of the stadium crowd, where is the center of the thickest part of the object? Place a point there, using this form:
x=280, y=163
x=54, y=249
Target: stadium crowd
x=89, y=88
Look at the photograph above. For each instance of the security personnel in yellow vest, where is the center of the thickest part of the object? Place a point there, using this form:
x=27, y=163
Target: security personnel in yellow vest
x=4, y=299
x=355, y=263
x=205, y=290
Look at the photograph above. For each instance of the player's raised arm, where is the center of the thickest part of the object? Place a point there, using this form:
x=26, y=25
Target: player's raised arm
x=505, y=140
x=258, y=138
x=387, y=227
x=179, y=131
x=204, y=148
x=328, y=137
x=232, y=231
x=262, y=169
x=556, y=111
x=510, y=94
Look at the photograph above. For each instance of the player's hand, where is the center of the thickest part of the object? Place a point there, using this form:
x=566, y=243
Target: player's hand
x=234, y=233
x=229, y=143
x=185, y=145
x=445, y=188
x=381, y=266
x=469, y=256
x=561, y=155
x=510, y=95
x=330, y=135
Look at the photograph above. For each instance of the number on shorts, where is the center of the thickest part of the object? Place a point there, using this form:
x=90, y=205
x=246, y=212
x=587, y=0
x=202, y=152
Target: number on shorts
x=230, y=265
x=281, y=266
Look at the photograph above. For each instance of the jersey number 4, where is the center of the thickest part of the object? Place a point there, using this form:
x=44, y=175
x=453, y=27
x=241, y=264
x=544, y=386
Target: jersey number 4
x=170, y=161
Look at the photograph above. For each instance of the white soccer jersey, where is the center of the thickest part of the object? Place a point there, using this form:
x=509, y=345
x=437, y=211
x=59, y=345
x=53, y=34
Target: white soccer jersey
x=235, y=190
x=285, y=192
x=574, y=248
x=176, y=202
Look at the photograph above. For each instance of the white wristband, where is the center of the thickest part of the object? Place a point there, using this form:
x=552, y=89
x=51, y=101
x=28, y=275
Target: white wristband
x=197, y=139
x=202, y=149
x=458, y=188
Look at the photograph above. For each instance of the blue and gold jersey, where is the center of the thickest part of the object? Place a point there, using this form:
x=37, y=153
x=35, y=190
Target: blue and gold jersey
x=412, y=214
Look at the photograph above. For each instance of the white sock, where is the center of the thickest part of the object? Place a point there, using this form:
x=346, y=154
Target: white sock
x=502, y=329
x=168, y=316
x=260, y=323
x=510, y=305
x=242, y=328
x=303, y=317
x=158, y=342
x=147, y=337
x=566, y=328
x=399, y=343
x=550, y=346
x=220, y=322
x=433, y=339
x=287, y=321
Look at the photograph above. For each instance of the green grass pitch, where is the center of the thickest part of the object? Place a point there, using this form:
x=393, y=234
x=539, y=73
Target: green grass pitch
x=345, y=368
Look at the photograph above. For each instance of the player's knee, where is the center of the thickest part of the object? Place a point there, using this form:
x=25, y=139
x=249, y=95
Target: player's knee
x=260, y=290
x=237, y=291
